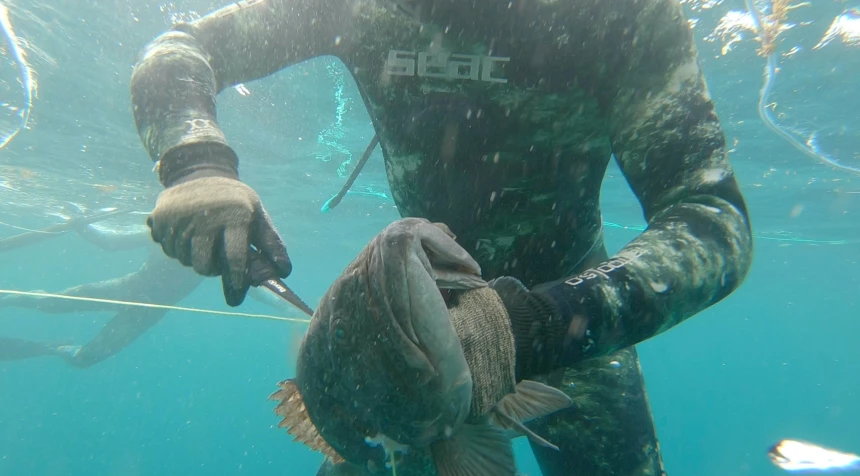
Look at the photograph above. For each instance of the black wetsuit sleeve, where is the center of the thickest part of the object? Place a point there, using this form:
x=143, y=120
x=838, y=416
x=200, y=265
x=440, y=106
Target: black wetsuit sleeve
x=697, y=247
x=180, y=73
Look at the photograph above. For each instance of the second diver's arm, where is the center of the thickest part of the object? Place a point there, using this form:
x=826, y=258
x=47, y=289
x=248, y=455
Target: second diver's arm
x=114, y=241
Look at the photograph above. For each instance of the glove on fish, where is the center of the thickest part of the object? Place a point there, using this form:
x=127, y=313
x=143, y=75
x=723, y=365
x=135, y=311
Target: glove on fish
x=481, y=322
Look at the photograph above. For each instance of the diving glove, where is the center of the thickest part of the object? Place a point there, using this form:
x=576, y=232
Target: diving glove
x=538, y=326
x=481, y=323
x=208, y=219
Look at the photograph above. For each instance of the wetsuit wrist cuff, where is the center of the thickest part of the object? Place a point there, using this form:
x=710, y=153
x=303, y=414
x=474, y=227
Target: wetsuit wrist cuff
x=197, y=161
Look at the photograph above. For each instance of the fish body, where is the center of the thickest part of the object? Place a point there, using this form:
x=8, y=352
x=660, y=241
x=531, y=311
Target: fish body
x=798, y=456
x=382, y=371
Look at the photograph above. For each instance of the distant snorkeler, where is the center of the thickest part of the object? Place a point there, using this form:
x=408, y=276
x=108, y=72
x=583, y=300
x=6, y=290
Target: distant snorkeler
x=797, y=456
x=160, y=280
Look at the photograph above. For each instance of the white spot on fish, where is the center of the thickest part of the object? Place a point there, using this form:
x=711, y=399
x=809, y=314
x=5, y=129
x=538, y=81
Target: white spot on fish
x=390, y=446
x=615, y=364
x=659, y=287
x=714, y=175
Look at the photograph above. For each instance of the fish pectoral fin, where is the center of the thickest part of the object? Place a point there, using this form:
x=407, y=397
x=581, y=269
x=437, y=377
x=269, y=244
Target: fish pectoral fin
x=298, y=423
x=507, y=422
x=475, y=450
x=532, y=400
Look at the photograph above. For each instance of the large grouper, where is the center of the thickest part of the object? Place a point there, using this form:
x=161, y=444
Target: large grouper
x=386, y=374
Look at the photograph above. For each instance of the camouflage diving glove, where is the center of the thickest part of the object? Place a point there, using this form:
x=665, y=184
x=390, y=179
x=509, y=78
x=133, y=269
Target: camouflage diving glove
x=207, y=219
x=537, y=324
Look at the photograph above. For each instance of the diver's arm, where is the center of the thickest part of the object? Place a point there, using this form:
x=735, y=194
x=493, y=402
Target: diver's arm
x=697, y=247
x=667, y=139
x=206, y=218
x=180, y=73
x=113, y=241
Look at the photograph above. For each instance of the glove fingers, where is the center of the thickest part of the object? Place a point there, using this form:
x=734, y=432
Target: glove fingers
x=203, y=255
x=164, y=232
x=168, y=245
x=182, y=245
x=234, y=251
x=266, y=239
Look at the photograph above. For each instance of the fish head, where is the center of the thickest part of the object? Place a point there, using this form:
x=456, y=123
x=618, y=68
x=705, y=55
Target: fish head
x=381, y=359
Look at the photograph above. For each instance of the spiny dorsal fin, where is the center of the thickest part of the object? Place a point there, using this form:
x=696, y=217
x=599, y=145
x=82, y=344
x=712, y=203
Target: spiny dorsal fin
x=296, y=420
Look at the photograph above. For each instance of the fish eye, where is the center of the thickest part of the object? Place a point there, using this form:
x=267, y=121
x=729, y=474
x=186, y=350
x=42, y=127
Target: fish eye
x=339, y=332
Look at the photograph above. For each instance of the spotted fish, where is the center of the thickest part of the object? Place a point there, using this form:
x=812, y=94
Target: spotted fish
x=382, y=373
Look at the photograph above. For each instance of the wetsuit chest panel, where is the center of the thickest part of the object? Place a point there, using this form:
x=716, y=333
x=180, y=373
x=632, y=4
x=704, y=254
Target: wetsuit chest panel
x=501, y=137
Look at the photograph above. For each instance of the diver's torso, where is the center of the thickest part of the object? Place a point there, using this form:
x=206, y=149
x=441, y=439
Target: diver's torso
x=499, y=132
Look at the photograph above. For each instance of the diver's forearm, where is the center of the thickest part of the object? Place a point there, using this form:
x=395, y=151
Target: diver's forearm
x=690, y=258
x=668, y=141
x=180, y=73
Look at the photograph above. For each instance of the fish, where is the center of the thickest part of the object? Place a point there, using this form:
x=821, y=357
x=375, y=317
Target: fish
x=799, y=456
x=381, y=371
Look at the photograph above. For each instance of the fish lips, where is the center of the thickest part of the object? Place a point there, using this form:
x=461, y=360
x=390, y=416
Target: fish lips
x=411, y=260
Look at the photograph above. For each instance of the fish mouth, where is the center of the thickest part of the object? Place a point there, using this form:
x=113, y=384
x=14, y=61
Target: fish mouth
x=411, y=347
x=411, y=264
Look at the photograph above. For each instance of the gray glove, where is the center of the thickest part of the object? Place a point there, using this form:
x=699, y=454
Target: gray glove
x=482, y=324
x=210, y=224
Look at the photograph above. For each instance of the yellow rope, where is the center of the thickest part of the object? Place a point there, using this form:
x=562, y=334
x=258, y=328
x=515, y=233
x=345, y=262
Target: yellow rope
x=156, y=306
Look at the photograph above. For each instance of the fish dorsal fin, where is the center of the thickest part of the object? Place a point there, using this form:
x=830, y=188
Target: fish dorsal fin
x=475, y=450
x=298, y=423
x=532, y=400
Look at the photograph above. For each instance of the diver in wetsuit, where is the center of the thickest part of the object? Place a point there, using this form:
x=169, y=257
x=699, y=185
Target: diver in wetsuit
x=160, y=281
x=497, y=118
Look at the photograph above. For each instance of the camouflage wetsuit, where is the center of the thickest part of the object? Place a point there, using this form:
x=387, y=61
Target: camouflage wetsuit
x=499, y=118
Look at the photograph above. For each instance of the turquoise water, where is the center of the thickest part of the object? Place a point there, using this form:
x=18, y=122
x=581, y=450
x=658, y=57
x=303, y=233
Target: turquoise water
x=778, y=359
